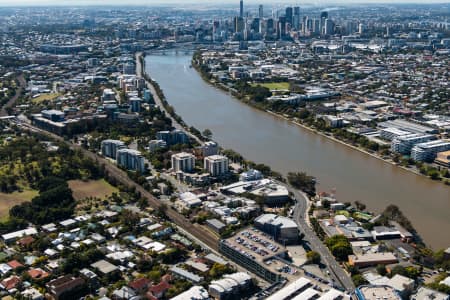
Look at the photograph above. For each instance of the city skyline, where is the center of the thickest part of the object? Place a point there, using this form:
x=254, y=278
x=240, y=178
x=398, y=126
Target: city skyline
x=206, y=2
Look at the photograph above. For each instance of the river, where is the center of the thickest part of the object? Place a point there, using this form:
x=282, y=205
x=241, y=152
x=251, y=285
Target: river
x=286, y=147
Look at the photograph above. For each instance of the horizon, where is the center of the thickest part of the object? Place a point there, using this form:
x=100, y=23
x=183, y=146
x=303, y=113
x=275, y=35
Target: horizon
x=149, y=3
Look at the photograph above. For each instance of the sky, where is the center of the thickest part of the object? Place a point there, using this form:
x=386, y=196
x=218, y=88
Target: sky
x=207, y=2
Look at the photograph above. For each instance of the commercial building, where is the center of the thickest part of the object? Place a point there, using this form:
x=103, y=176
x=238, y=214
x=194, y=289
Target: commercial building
x=230, y=286
x=194, y=293
x=424, y=293
x=282, y=229
x=53, y=115
x=372, y=259
x=291, y=290
x=216, y=165
x=428, y=151
x=109, y=148
x=404, y=144
x=131, y=160
x=408, y=126
x=183, y=162
x=391, y=133
x=252, y=250
x=215, y=225
x=443, y=159
x=376, y=292
x=273, y=193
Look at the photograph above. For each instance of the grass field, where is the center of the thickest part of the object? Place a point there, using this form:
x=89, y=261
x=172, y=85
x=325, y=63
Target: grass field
x=9, y=200
x=45, y=97
x=93, y=188
x=274, y=85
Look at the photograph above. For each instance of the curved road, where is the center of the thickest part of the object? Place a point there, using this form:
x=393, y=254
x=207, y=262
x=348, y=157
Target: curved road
x=299, y=216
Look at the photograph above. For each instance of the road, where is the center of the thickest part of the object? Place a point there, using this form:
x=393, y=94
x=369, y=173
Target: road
x=158, y=101
x=10, y=103
x=299, y=216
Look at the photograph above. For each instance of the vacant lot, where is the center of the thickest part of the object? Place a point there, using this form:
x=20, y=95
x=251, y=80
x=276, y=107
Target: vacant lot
x=275, y=85
x=46, y=97
x=93, y=188
x=9, y=200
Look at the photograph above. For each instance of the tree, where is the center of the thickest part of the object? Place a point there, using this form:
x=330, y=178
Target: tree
x=381, y=269
x=339, y=246
x=359, y=280
x=313, y=257
x=360, y=206
x=303, y=182
x=207, y=133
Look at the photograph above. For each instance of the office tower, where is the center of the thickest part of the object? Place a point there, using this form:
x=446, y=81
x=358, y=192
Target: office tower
x=216, y=165
x=289, y=15
x=238, y=24
x=323, y=18
x=281, y=28
x=329, y=27
x=241, y=9
x=296, y=18
x=261, y=11
x=316, y=26
x=270, y=26
x=255, y=25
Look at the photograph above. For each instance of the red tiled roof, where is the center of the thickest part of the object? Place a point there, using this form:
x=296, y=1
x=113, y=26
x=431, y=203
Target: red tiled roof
x=38, y=273
x=11, y=282
x=14, y=264
x=160, y=287
x=139, y=284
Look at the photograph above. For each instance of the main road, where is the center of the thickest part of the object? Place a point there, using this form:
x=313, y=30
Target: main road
x=299, y=216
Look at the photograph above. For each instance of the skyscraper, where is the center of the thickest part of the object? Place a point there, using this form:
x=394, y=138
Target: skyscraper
x=241, y=9
x=324, y=15
x=289, y=14
x=261, y=11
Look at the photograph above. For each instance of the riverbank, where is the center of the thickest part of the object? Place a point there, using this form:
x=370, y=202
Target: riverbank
x=239, y=97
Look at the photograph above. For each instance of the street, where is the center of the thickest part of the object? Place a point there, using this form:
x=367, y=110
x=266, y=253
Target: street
x=299, y=216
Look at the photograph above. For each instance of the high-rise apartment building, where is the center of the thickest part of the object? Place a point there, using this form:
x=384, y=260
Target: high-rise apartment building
x=183, y=162
x=216, y=165
x=131, y=160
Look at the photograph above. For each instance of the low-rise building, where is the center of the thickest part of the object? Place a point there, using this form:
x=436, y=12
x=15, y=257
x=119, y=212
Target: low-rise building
x=376, y=292
x=427, y=151
x=64, y=286
x=372, y=259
